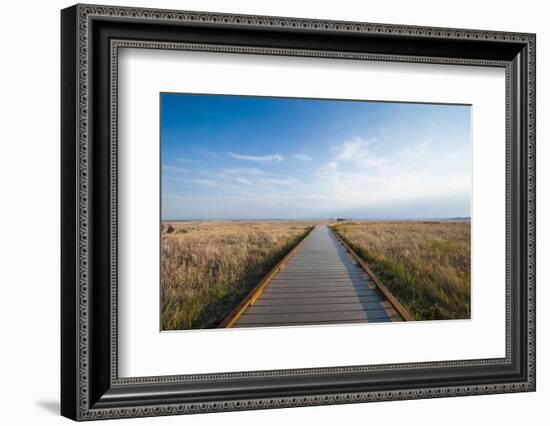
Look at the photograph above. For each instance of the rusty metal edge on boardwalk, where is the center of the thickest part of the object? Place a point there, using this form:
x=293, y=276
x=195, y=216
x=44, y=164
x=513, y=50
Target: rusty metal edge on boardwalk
x=401, y=310
x=257, y=291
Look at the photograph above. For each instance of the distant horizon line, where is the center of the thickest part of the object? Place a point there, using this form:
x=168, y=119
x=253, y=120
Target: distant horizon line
x=317, y=218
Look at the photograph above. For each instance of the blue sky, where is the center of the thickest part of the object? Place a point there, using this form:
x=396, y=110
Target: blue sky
x=233, y=157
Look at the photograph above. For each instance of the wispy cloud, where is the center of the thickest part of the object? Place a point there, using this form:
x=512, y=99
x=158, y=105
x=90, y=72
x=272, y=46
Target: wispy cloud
x=423, y=148
x=208, y=154
x=186, y=160
x=302, y=157
x=328, y=169
x=359, y=151
x=357, y=175
x=419, y=150
x=244, y=181
x=280, y=181
x=259, y=178
x=257, y=158
x=244, y=171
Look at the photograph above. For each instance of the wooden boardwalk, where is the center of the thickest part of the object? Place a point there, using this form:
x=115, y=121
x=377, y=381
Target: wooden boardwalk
x=321, y=283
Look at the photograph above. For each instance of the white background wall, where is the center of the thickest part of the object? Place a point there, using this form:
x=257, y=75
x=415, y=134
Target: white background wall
x=29, y=213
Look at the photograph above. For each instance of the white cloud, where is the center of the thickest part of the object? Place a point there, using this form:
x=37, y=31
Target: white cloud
x=419, y=150
x=360, y=177
x=262, y=181
x=358, y=151
x=331, y=166
x=244, y=181
x=302, y=157
x=329, y=171
x=423, y=148
x=186, y=160
x=257, y=158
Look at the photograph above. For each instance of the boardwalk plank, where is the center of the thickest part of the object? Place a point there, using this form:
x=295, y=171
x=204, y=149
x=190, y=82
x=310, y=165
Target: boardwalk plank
x=323, y=289
x=330, y=283
x=325, y=294
x=326, y=307
x=318, y=300
x=314, y=316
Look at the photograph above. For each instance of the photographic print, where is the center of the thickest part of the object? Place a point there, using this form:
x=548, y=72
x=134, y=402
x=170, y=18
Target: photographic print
x=302, y=212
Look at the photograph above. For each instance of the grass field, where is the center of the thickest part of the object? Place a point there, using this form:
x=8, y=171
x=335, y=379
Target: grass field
x=209, y=267
x=426, y=265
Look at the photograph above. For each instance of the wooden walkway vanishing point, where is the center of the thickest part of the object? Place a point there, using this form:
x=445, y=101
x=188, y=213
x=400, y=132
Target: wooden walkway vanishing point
x=321, y=281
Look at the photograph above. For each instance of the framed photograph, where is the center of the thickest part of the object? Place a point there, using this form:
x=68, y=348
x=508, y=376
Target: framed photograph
x=263, y=212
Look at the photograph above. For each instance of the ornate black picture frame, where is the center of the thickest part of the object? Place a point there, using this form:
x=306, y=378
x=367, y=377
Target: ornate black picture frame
x=91, y=36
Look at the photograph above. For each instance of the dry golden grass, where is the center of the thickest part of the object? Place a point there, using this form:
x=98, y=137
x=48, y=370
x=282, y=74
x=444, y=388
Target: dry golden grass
x=209, y=267
x=426, y=265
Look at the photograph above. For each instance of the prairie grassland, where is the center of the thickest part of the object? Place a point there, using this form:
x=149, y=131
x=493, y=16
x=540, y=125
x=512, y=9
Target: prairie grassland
x=426, y=265
x=209, y=267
